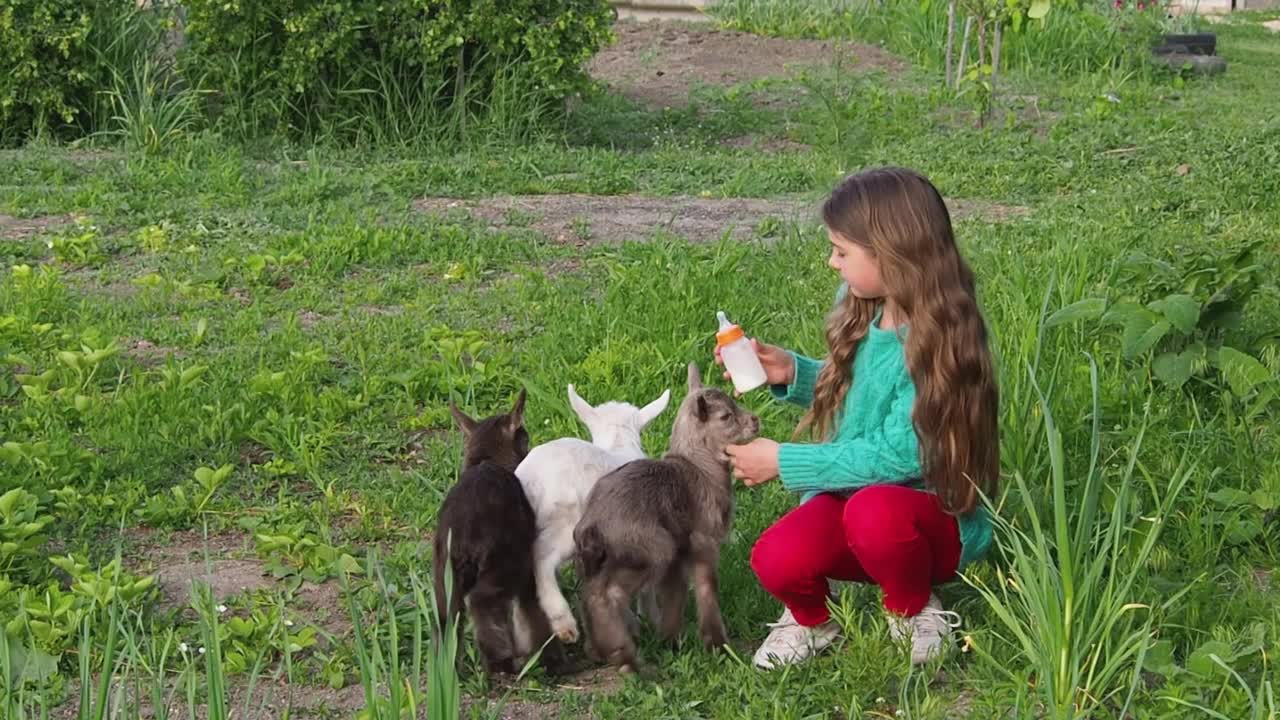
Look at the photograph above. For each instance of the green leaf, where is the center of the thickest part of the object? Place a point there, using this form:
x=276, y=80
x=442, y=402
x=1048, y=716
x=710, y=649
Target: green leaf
x=1140, y=335
x=1201, y=664
x=204, y=476
x=240, y=626
x=192, y=374
x=1242, y=371
x=1087, y=309
x=1122, y=312
x=70, y=359
x=28, y=664
x=1175, y=369
x=1231, y=497
x=1039, y=9
x=1182, y=311
x=1160, y=658
x=1264, y=499
x=349, y=565
x=1243, y=530
x=10, y=500
x=1261, y=403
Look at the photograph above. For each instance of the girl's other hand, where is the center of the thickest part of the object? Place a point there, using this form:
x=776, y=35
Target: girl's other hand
x=756, y=462
x=779, y=366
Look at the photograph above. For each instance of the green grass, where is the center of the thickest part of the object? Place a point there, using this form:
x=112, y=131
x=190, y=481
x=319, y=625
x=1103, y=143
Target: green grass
x=315, y=326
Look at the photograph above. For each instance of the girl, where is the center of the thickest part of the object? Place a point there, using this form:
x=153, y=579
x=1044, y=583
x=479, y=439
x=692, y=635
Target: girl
x=904, y=408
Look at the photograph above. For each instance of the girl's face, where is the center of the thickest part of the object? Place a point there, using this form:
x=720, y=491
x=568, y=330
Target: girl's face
x=857, y=266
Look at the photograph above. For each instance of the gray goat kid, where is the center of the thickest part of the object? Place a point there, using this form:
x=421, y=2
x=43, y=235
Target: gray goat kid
x=658, y=524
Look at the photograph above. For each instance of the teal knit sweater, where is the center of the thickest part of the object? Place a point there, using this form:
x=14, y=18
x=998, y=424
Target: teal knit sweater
x=876, y=442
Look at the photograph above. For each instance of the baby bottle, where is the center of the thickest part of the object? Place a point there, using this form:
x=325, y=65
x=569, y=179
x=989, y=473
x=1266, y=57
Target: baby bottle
x=739, y=356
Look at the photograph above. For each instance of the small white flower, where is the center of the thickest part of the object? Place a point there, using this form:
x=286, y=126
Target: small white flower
x=201, y=651
x=879, y=701
x=288, y=623
x=222, y=608
x=183, y=647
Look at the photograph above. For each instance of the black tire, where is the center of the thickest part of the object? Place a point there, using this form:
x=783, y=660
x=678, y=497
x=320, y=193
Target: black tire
x=1188, y=44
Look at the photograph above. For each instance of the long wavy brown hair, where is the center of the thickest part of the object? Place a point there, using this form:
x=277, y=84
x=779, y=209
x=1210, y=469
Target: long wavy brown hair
x=900, y=217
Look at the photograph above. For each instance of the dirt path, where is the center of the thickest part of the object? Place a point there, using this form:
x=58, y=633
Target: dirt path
x=657, y=63
x=593, y=219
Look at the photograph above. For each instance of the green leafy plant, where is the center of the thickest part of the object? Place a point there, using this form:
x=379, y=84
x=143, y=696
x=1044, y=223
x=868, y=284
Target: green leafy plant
x=1181, y=319
x=79, y=246
x=181, y=505
x=1213, y=669
x=266, y=268
x=154, y=238
x=22, y=526
x=100, y=588
x=50, y=617
x=246, y=636
x=294, y=555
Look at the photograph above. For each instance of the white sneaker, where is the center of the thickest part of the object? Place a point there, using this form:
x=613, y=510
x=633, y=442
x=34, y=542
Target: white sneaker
x=790, y=642
x=927, y=631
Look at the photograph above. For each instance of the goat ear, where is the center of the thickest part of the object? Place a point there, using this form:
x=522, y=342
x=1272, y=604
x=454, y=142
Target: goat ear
x=704, y=412
x=465, y=424
x=515, y=418
x=584, y=411
x=695, y=377
x=655, y=408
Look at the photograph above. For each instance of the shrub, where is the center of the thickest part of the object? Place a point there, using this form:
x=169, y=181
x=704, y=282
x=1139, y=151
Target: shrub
x=59, y=57
x=353, y=67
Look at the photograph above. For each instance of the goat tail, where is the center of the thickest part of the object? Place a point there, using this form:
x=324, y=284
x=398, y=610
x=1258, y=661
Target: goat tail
x=591, y=549
x=445, y=596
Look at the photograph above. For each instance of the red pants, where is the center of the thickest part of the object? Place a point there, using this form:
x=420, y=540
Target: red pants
x=893, y=536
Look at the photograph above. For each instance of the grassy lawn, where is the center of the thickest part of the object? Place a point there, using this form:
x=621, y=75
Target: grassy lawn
x=300, y=315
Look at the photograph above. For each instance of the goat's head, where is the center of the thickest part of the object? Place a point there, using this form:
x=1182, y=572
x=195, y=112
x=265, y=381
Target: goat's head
x=710, y=419
x=616, y=426
x=500, y=439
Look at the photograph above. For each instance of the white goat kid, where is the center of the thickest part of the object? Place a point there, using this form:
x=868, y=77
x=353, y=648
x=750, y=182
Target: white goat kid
x=557, y=476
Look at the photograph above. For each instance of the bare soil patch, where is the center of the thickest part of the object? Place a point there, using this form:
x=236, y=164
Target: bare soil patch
x=228, y=565
x=14, y=228
x=591, y=219
x=594, y=219
x=148, y=354
x=308, y=319
x=764, y=144
x=657, y=63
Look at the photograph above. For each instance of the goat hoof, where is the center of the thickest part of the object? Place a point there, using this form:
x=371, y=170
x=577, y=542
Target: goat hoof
x=627, y=669
x=566, y=629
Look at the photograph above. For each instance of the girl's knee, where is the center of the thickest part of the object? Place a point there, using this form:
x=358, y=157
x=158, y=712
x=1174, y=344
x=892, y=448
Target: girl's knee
x=771, y=563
